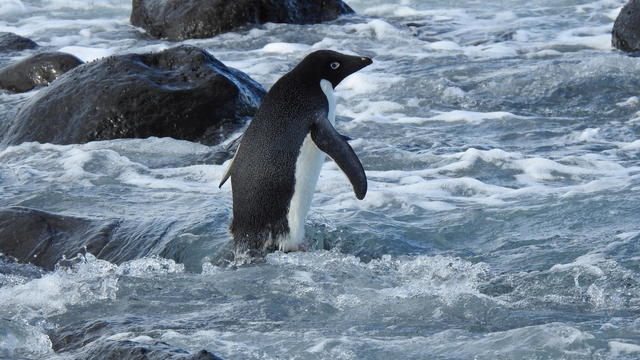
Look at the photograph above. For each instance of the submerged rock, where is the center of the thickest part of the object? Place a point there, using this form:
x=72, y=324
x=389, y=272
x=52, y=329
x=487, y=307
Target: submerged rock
x=186, y=19
x=183, y=93
x=12, y=42
x=89, y=339
x=626, y=29
x=131, y=350
x=37, y=70
x=43, y=239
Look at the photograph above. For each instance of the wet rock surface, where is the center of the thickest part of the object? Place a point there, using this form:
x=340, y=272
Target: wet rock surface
x=44, y=239
x=185, y=19
x=12, y=42
x=131, y=350
x=37, y=70
x=625, y=35
x=183, y=93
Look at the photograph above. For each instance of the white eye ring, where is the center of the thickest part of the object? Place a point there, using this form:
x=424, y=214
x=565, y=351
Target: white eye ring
x=334, y=65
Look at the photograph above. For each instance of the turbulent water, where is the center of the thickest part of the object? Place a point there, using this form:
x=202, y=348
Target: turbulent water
x=501, y=141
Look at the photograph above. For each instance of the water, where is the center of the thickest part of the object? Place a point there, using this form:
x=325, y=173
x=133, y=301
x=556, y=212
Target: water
x=501, y=141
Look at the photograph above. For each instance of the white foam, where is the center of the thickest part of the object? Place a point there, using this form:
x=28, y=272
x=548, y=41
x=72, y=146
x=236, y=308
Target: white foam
x=379, y=29
x=586, y=135
x=632, y=101
x=474, y=117
x=635, y=145
x=543, y=53
x=86, y=5
x=497, y=50
x=364, y=82
x=403, y=10
x=444, y=45
x=453, y=92
x=597, y=37
x=109, y=160
x=444, y=278
x=588, y=262
x=88, y=281
x=150, y=267
x=285, y=48
x=618, y=348
x=12, y=7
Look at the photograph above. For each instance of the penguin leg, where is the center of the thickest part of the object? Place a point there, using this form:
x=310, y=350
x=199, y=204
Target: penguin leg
x=329, y=141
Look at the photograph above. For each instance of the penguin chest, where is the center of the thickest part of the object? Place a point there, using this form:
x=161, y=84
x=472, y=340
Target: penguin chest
x=308, y=166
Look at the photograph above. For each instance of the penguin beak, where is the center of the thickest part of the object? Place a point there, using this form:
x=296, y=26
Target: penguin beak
x=360, y=63
x=352, y=65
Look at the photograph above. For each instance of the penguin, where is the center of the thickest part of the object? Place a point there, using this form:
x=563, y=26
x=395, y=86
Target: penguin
x=277, y=164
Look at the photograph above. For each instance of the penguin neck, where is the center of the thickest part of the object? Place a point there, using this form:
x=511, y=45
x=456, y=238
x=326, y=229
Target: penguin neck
x=327, y=89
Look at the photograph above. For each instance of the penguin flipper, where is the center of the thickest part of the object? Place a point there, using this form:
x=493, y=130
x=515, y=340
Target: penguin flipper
x=329, y=141
x=227, y=175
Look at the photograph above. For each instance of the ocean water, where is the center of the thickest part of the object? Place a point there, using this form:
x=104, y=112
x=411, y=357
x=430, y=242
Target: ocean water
x=501, y=140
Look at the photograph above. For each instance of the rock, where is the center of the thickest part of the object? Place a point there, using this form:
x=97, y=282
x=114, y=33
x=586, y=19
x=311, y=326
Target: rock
x=37, y=70
x=12, y=42
x=183, y=92
x=131, y=350
x=89, y=338
x=626, y=29
x=187, y=19
x=43, y=239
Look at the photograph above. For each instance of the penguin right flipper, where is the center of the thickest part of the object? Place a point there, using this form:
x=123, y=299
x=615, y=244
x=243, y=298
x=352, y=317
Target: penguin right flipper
x=328, y=140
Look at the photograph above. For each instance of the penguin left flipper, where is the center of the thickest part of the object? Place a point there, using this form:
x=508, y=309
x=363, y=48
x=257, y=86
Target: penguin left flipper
x=327, y=139
x=227, y=174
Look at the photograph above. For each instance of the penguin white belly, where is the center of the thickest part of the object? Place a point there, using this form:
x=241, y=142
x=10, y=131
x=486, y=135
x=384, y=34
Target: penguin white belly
x=308, y=166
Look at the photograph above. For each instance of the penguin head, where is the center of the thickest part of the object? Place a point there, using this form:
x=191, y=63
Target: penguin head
x=331, y=65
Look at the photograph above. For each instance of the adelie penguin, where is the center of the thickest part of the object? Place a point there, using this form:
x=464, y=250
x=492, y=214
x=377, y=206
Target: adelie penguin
x=276, y=167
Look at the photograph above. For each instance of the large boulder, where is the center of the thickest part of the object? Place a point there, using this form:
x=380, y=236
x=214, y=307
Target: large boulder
x=626, y=29
x=183, y=92
x=12, y=42
x=187, y=19
x=37, y=70
x=43, y=238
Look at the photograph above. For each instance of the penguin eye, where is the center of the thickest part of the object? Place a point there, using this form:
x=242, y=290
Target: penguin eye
x=334, y=65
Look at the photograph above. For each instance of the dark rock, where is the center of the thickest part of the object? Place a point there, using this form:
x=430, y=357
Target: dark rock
x=88, y=339
x=43, y=239
x=130, y=350
x=626, y=29
x=37, y=70
x=76, y=336
x=183, y=92
x=187, y=19
x=13, y=42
